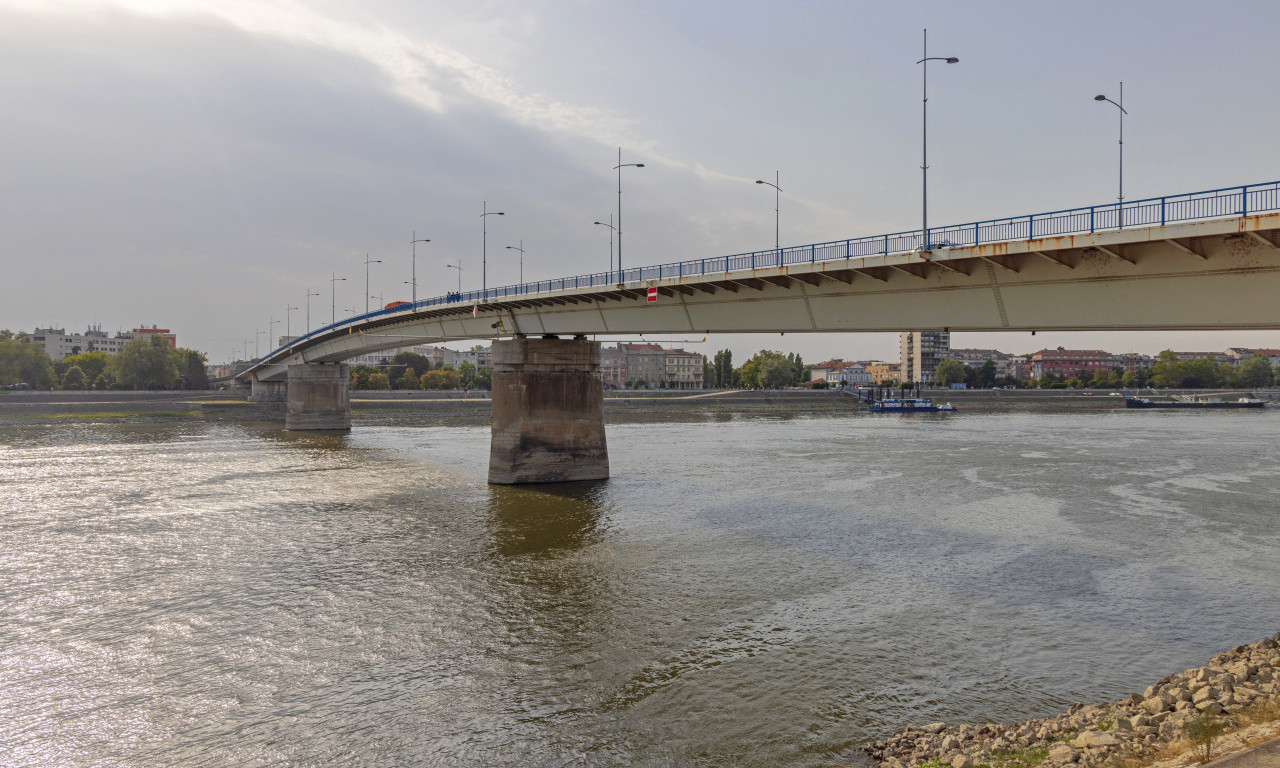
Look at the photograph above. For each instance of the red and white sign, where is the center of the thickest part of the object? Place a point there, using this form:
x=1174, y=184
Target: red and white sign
x=653, y=293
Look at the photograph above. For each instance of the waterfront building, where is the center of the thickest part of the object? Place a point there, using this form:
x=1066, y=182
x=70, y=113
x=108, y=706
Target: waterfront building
x=1240, y=354
x=684, y=369
x=841, y=373
x=58, y=344
x=1082, y=363
x=879, y=371
x=921, y=353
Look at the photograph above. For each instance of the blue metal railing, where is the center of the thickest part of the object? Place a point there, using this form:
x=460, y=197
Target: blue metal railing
x=1156, y=211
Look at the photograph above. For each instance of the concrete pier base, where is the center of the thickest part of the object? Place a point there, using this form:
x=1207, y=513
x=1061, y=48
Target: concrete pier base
x=318, y=397
x=548, y=412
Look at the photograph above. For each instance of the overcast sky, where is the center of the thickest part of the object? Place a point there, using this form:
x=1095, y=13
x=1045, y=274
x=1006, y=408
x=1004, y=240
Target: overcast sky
x=202, y=166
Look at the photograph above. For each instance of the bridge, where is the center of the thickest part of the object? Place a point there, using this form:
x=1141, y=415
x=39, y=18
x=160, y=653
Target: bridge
x=1205, y=260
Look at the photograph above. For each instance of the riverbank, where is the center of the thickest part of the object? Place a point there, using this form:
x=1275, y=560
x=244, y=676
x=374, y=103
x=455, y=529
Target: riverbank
x=378, y=408
x=1238, y=691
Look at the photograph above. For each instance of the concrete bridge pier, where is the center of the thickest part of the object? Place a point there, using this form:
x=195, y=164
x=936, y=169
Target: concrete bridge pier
x=548, y=412
x=317, y=397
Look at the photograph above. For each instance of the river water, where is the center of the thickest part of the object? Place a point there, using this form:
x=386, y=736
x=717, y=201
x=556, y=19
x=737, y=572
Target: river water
x=743, y=592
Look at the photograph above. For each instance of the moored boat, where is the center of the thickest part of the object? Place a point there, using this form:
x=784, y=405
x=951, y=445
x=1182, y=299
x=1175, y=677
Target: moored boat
x=1150, y=402
x=907, y=405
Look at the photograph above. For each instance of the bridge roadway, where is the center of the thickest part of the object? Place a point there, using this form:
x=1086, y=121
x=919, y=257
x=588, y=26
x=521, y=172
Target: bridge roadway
x=1217, y=266
x=1204, y=275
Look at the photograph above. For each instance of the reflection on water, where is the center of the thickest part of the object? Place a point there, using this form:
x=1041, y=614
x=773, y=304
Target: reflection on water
x=743, y=591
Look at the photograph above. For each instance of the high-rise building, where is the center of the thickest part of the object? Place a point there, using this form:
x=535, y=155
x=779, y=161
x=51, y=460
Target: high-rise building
x=921, y=353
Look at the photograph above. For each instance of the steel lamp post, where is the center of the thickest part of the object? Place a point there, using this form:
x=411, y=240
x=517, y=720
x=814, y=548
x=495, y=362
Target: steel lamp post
x=519, y=248
x=414, y=244
x=1119, y=105
x=924, y=133
x=611, y=231
x=619, y=168
x=484, y=249
x=777, y=197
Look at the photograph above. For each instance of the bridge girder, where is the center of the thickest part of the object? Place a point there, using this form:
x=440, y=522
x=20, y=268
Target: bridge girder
x=1134, y=279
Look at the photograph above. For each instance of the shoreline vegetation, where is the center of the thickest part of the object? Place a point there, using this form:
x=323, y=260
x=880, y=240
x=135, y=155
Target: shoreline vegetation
x=1229, y=705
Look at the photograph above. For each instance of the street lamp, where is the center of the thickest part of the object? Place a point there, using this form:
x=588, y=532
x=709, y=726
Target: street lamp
x=1123, y=112
x=288, y=331
x=924, y=132
x=611, y=231
x=519, y=248
x=367, y=262
x=458, y=267
x=619, y=168
x=333, y=294
x=414, y=243
x=309, y=295
x=271, y=324
x=256, y=353
x=776, y=199
x=484, y=248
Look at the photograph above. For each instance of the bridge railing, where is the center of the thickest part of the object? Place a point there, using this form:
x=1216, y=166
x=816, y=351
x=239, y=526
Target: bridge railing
x=1212, y=204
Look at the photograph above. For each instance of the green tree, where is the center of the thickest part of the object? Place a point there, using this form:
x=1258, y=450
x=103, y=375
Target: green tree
x=467, y=374
x=23, y=363
x=484, y=379
x=91, y=363
x=73, y=378
x=987, y=374
x=192, y=370
x=360, y=376
x=775, y=373
x=949, y=372
x=1255, y=372
x=408, y=380
x=1201, y=373
x=145, y=364
x=1167, y=371
x=379, y=381
x=104, y=381
x=415, y=362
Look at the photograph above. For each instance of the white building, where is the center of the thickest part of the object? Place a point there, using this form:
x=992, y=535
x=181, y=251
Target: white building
x=58, y=344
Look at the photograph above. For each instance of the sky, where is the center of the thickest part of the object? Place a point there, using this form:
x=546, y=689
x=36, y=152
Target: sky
x=204, y=167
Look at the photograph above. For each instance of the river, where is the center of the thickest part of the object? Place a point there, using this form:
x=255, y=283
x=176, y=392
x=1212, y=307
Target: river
x=745, y=591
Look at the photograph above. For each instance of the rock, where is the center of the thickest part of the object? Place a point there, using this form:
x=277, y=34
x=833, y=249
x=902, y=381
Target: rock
x=1204, y=694
x=935, y=727
x=1211, y=706
x=1094, y=739
x=1062, y=753
x=950, y=743
x=961, y=761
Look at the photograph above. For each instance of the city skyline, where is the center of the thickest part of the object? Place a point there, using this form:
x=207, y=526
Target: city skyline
x=207, y=167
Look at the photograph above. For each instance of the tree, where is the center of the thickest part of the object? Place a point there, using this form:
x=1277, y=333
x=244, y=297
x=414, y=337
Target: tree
x=192, y=371
x=23, y=363
x=776, y=373
x=104, y=382
x=484, y=379
x=987, y=374
x=73, y=378
x=415, y=362
x=379, y=381
x=145, y=364
x=1255, y=372
x=91, y=363
x=360, y=376
x=949, y=372
x=467, y=374
x=1167, y=371
x=408, y=380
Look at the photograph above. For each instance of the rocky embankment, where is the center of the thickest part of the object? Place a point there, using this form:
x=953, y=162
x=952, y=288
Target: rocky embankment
x=1235, y=684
